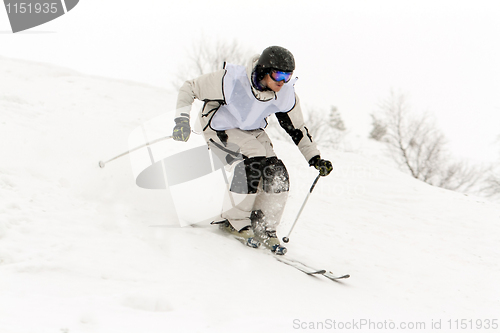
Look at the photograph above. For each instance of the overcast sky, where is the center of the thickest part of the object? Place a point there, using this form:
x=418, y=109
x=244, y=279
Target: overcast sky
x=443, y=54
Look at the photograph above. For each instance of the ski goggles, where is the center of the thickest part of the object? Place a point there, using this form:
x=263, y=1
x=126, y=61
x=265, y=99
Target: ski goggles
x=280, y=76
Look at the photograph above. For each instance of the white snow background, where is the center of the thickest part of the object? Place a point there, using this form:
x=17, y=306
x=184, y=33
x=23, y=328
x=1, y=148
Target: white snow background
x=81, y=250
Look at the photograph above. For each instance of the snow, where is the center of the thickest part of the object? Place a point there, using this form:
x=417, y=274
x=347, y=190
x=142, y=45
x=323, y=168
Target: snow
x=83, y=249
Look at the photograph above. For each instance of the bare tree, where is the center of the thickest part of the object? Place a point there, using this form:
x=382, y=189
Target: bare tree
x=335, y=120
x=206, y=56
x=379, y=130
x=413, y=142
x=316, y=124
x=491, y=186
x=327, y=128
x=419, y=147
x=461, y=176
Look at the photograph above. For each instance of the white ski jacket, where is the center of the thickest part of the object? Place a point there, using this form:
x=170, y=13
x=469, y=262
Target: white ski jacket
x=221, y=112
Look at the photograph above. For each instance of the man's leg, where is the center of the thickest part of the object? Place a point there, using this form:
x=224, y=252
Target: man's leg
x=270, y=202
x=244, y=154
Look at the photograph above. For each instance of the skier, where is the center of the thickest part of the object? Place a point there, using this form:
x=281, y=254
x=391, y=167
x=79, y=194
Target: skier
x=237, y=102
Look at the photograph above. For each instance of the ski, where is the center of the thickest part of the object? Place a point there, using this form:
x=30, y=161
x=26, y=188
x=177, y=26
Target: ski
x=334, y=278
x=304, y=268
x=301, y=267
x=310, y=270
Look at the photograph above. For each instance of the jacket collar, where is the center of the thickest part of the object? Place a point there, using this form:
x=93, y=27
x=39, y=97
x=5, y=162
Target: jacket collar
x=265, y=95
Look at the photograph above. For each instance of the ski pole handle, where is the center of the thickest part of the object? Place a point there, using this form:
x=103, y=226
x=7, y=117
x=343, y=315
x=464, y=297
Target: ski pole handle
x=287, y=239
x=103, y=164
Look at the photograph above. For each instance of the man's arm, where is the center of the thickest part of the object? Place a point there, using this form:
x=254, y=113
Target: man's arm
x=293, y=123
x=205, y=87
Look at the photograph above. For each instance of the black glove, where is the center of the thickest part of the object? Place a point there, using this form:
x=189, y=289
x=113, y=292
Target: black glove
x=182, y=130
x=324, y=166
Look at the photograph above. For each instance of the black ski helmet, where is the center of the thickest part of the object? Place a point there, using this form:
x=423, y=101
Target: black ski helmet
x=276, y=57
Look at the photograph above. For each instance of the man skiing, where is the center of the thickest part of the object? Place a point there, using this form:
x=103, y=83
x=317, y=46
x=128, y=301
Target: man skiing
x=237, y=102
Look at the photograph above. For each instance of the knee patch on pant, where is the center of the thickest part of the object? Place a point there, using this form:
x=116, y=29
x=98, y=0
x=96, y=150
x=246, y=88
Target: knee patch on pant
x=249, y=172
x=247, y=175
x=275, y=176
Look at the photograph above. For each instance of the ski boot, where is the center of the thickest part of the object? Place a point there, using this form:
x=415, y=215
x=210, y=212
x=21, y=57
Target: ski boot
x=245, y=235
x=271, y=241
x=264, y=235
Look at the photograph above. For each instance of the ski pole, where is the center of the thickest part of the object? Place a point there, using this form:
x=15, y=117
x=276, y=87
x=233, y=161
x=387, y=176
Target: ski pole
x=103, y=164
x=286, y=239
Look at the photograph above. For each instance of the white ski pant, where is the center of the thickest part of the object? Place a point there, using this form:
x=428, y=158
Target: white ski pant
x=257, y=179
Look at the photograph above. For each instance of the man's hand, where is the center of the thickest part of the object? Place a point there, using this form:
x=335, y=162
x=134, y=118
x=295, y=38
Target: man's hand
x=324, y=166
x=182, y=130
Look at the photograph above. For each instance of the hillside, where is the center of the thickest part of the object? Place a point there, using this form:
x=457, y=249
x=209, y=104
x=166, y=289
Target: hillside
x=83, y=249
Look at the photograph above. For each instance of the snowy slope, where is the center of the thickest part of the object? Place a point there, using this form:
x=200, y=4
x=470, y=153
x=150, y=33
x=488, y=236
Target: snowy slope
x=81, y=250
